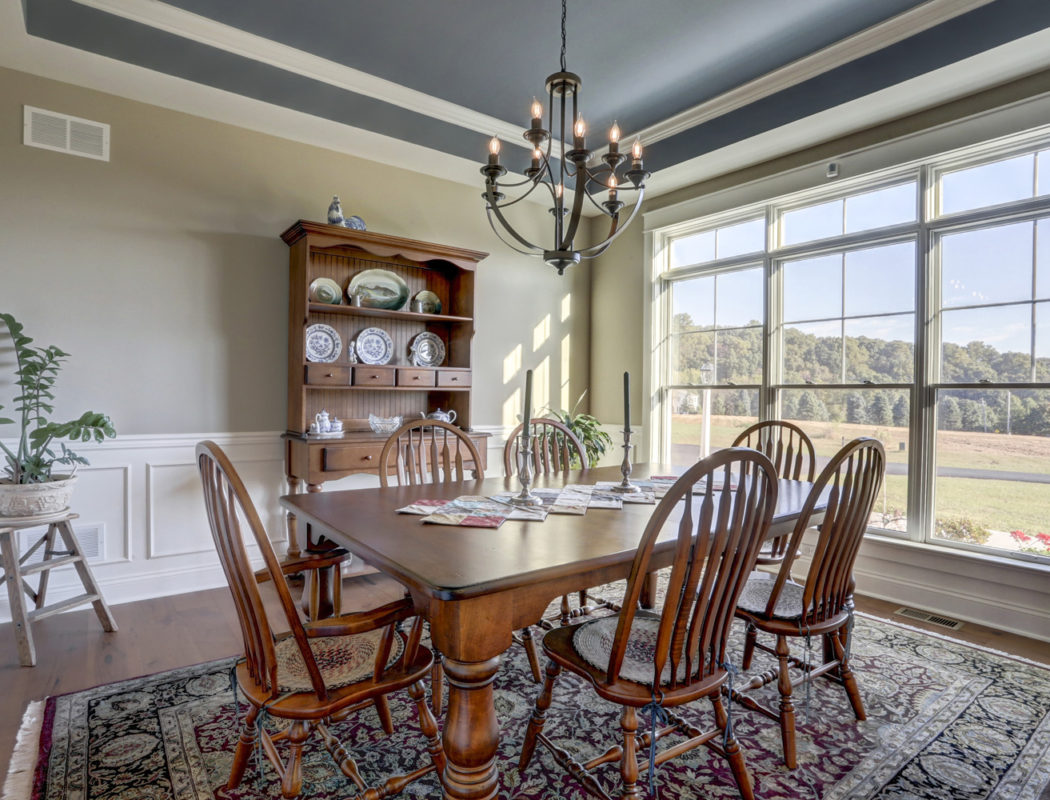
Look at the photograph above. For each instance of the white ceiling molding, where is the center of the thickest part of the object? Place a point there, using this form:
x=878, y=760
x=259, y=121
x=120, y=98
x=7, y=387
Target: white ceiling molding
x=868, y=41
x=194, y=27
x=993, y=67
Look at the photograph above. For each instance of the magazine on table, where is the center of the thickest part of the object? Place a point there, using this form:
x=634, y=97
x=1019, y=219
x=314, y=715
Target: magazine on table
x=471, y=511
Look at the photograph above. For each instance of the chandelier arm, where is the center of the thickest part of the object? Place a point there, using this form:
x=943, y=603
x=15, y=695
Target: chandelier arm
x=614, y=231
x=495, y=209
x=517, y=200
x=508, y=243
x=574, y=218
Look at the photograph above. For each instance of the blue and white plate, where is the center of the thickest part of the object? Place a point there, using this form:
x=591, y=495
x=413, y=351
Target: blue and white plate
x=374, y=346
x=323, y=343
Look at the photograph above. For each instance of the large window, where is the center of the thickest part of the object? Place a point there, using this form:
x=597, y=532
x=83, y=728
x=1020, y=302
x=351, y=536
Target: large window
x=912, y=306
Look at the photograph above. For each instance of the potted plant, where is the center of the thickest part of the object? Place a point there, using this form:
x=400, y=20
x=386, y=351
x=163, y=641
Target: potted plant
x=28, y=484
x=587, y=429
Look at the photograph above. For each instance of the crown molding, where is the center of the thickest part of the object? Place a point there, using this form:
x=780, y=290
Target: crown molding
x=877, y=37
x=187, y=25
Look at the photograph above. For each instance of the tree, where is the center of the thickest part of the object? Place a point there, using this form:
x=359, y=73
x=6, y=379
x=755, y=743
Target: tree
x=880, y=412
x=950, y=415
x=811, y=407
x=856, y=408
x=900, y=412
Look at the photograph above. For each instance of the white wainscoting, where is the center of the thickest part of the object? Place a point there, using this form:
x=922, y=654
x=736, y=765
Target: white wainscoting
x=142, y=494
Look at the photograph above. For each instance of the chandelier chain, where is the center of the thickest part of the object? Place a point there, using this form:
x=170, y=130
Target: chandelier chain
x=563, y=2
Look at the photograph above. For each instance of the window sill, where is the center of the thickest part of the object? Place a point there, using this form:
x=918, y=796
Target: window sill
x=968, y=556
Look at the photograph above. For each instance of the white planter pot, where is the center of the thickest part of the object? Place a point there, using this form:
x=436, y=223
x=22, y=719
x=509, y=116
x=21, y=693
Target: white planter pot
x=35, y=499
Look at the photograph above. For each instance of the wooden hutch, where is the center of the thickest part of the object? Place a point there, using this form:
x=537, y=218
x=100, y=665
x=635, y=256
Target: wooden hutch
x=351, y=391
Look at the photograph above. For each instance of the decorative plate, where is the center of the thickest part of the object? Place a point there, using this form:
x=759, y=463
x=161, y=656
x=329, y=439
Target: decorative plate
x=374, y=346
x=426, y=302
x=379, y=288
x=325, y=290
x=427, y=350
x=323, y=343
x=354, y=223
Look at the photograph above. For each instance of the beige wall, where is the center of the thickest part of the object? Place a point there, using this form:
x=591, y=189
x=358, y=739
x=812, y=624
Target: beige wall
x=163, y=274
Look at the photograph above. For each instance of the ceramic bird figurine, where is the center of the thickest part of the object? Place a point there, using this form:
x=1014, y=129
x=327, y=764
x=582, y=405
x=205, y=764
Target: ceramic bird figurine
x=335, y=212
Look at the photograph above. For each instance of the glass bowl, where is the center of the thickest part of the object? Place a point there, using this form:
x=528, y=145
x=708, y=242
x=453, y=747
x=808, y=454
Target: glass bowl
x=384, y=424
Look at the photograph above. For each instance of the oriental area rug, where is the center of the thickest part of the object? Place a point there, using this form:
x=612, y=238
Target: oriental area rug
x=945, y=720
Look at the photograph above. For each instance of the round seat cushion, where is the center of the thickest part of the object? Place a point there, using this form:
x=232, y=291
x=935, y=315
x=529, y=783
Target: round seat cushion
x=755, y=597
x=342, y=660
x=593, y=641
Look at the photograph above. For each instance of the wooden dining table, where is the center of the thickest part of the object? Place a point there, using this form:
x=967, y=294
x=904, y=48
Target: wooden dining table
x=477, y=586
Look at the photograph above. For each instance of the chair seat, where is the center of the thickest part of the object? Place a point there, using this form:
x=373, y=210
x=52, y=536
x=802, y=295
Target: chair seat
x=755, y=597
x=342, y=660
x=593, y=641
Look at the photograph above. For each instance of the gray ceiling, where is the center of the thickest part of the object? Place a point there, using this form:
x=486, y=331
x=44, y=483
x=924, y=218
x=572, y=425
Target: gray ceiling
x=641, y=61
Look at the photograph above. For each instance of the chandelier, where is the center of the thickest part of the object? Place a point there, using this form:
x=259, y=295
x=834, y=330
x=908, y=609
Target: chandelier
x=600, y=183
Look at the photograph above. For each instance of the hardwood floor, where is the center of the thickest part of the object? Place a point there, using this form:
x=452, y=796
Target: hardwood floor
x=156, y=635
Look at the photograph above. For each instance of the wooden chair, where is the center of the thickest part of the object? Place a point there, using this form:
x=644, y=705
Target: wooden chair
x=429, y=451
x=322, y=671
x=793, y=457
x=658, y=661
x=554, y=449
x=822, y=605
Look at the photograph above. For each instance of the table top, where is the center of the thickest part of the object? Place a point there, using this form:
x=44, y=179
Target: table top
x=452, y=563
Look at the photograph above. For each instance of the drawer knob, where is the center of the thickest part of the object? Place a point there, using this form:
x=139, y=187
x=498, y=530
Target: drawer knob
x=455, y=378
x=373, y=377
x=368, y=458
x=415, y=377
x=329, y=375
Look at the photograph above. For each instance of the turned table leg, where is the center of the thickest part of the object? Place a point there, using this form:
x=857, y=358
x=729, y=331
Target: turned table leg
x=471, y=733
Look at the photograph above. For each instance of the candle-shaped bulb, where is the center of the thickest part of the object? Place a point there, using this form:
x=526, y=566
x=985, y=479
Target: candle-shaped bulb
x=614, y=133
x=494, y=146
x=636, y=150
x=536, y=156
x=580, y=128
x=537, y=109
x=613, y=184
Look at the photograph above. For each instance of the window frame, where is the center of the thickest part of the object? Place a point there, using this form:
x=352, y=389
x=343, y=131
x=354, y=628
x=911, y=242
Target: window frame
x=926, y=231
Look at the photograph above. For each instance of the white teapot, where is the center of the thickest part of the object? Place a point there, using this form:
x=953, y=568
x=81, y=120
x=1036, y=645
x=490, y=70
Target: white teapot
x=442, y=416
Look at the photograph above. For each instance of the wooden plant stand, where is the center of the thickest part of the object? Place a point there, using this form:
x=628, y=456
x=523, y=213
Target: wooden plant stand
x=15, y=574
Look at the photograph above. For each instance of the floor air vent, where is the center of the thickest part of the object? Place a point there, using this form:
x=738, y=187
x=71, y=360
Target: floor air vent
x=53, y=131
x=925, y=616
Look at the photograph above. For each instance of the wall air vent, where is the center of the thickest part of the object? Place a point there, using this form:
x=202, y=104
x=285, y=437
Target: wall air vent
x=925, y=616
x=91, y=538
x=53, y=131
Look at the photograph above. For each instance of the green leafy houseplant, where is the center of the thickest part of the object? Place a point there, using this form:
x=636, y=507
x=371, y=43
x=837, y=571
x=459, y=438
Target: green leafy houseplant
x=33, y=458
x=587, y=429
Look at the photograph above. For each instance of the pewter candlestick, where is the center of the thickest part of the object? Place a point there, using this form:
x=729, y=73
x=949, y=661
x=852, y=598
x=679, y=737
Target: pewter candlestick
x=625, y=468
x=526, y=497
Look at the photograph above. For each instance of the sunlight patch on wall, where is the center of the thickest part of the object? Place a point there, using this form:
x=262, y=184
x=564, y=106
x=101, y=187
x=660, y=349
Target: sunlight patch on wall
x=541, y=386
x=512, y=364
x=566, y=371
x=566, y=307
x=512, y=409
x=541, y=333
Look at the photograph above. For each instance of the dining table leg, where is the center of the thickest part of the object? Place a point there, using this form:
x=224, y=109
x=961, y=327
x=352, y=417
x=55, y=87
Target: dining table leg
x=471, y=732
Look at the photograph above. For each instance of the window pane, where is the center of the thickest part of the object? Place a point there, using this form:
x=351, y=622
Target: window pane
x=812, y=222
x=1044, y=173
x=739, y=356
x=813, y=352
x=987, y=185
x=881, y=279
x=693, y=304
x=878, y=209
x=834, y=417
x=1042, y=256
x=993, y=469
x=990, y=344
x=813, y=288
x=880, y=349
x=690, y=352
x=693, y=249
x=990, y=265
x=745, y=237
x=732, y=410
x=740, y=298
